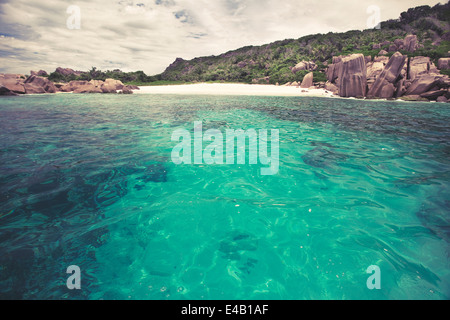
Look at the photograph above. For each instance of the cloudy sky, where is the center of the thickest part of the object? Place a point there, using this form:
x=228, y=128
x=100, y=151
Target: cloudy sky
x=149, y=34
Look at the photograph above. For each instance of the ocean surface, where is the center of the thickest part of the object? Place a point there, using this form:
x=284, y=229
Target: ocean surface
x=88, y=180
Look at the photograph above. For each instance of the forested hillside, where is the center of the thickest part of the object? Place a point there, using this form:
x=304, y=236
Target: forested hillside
x=275, y=62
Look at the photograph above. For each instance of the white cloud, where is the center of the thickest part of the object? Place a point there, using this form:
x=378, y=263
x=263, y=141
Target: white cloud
x=149, y=34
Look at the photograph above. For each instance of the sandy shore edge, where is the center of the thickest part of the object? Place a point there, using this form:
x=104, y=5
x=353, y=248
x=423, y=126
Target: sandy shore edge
x=233, y=89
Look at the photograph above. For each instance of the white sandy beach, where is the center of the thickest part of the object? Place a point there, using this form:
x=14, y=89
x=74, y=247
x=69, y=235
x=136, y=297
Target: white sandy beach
x=233, y=89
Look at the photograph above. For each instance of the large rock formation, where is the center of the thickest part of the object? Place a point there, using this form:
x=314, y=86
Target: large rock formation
x=374, y=69
x=307, y=81
x=444, y=63
x=33, y=89
x=40, y=73
x=331, y=87
x=13, y=83
x=353, y=76
x=92, y=86
x=400, y=43
x=349, y=74
x=426, y=83
x=411, y=43
x=383, y=59
x=35, y=84
x=387, y=83
x=334, y=69
x=392, y=48
x=442, y=99
x=418, y=66
x=96, y=86
x=67, y=71
x=434, y=95
x=72, y=85
x=82, y=86
x=304, y=65
x=111, y=86
x=416, y=80
x=126, y=90
x=4, y=91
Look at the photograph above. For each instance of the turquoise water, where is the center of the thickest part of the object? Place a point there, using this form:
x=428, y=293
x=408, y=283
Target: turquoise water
x=88, y=180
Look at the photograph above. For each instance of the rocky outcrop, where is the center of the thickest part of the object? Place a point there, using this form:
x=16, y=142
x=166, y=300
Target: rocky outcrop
x=263, y=80
x=411, y=79
x=388, y=78
x=67, y=71
x=93, y=86
x=334, y=69
x=383, y=59
x=427, y=83
x=304, y=65
x=414, y=97
x=33, y=89
x=411, y=43
x=374, y=69
x=36, y=84
x=419, y=65
x=18, y=84
x=386, y=84
x=126, y=90
x=96, y=86
x=349, y=74
x=353, y=76
x=88, y=87
x=444, y=63
x=307, y=81
x=4, y=91
x=13, y=83
x=331, y=87
x=111, y=86
x=400, y=43
x=433, y=95
x=243, y=64
x=72, y=85
x=376, y=46
x=40, y=73
x=392, y=48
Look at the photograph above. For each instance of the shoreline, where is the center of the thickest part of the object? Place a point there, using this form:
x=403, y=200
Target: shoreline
x=162, y=90
x=242, y=89
x=234, y=89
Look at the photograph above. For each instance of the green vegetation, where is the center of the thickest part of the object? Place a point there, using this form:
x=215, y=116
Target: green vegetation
x=136, y=77
x=446, y=72
x=275, y=60
x=253, y=64
x=433, y=51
